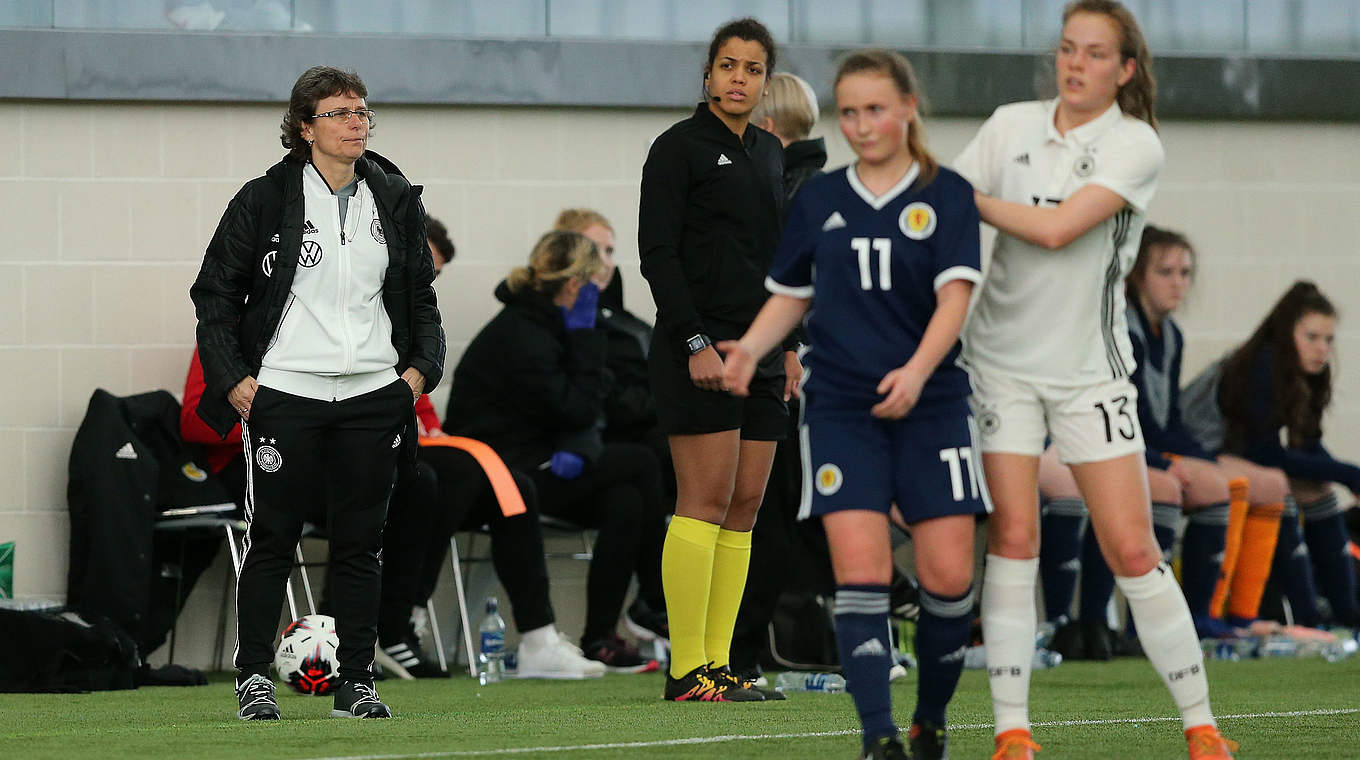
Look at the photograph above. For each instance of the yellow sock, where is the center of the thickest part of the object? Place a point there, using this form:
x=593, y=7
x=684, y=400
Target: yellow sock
x=1259, y=535
x=1232, y=545
x=731, y=559
x=686, y=574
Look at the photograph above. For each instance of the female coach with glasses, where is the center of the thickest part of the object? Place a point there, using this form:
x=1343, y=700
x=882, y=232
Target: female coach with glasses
x=318, y=329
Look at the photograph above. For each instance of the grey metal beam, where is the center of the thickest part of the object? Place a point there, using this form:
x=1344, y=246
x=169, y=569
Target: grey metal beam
x=177, y=66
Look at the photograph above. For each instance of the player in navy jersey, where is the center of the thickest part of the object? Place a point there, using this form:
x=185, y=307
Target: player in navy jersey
x=882, y=256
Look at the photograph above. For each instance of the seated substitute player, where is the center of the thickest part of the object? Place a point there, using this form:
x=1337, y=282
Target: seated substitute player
x=1274, y=391
x=888, y=250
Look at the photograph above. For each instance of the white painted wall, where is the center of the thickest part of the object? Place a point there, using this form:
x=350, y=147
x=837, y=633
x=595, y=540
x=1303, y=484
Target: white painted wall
x=108, y=209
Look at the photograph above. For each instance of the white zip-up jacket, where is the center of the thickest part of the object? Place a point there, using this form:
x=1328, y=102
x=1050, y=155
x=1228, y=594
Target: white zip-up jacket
x=335, y=338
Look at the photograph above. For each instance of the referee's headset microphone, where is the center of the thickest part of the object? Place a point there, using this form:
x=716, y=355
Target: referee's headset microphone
x=711, y=96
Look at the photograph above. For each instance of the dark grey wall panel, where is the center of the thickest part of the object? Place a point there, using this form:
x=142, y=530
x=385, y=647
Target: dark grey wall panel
x=121, y=66
x=32, y=65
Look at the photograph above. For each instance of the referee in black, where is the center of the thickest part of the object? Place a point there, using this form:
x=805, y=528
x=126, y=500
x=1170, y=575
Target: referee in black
x=709, y=220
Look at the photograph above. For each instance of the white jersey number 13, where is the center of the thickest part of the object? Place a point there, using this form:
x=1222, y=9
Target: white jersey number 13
x=883, y=246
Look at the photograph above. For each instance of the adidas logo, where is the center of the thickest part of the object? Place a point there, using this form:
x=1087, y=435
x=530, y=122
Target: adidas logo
x=396, y=441
x=127, y=452
x=833, y=222
x=275, y=238
x=1071, y=565
x=308, y=228
x=723, y=160
x=870, y=648
x=1022, y=159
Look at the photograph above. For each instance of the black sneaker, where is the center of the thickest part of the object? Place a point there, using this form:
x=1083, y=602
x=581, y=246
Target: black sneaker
x=256, y=699
x=407, y=654
x=646, y=623
x=887, y=748
x=928, y=741
x=358, y=699
x=770, y=695
x=1069, y=640
x=1099, y=640
x=704, y=685
x=619, y=656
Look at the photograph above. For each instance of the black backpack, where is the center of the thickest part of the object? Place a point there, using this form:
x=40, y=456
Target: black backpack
x=63, y=651
x=803, y=632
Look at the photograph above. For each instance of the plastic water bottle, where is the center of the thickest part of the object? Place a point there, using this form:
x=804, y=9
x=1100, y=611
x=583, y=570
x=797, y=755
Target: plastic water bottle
x=1045, y=659
x=1043, y=635
x=1219, y=649
x=1338, y=650
x=826, y=683
x=1278, y=646
x=975, y=658
x=491, y=659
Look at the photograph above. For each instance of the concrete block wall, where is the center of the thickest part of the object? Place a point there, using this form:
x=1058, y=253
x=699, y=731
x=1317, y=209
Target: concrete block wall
x=110, y=206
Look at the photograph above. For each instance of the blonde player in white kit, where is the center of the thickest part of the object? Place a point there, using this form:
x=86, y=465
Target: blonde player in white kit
x=1066, y=183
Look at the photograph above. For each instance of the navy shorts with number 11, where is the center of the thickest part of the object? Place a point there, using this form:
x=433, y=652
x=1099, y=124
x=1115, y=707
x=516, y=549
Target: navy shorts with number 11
x=927, y=463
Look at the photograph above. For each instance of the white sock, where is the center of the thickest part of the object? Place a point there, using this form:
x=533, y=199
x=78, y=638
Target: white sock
x=1169, y=640
x=539, y=637
x=1009, y=623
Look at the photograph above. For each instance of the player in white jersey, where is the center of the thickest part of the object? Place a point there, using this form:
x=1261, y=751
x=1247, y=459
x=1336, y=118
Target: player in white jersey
x=1066, y=183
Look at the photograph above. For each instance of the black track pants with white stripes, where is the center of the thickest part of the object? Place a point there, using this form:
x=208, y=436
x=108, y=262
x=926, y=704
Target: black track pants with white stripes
x=333, y=464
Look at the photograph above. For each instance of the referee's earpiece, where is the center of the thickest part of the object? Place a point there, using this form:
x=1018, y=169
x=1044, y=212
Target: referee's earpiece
x=707, y=94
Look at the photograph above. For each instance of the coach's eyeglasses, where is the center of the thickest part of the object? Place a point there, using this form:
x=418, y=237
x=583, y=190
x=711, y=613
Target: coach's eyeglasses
x=344, y=115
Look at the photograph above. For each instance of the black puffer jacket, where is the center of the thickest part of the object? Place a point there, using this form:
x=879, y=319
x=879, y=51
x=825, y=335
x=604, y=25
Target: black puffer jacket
x=526, y=385
x=803, y=160
x=629, y=409
x=248, y=271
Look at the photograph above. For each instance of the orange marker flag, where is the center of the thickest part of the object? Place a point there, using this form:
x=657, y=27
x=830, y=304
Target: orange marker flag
x=502, y=482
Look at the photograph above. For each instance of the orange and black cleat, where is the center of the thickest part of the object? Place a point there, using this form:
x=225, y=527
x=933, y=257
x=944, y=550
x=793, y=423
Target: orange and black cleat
x=1206, y=743
x=1015, y=744
x=704, y=685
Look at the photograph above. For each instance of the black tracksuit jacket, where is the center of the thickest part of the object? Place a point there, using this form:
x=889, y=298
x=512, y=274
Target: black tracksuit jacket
x=708, y=224
x=248, y=272
x=527, y=386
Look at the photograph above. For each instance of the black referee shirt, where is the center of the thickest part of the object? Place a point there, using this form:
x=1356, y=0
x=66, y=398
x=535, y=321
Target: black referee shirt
x=708, y=224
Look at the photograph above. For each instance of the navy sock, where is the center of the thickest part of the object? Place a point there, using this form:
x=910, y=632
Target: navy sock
x=941, y=636
x=1202, y=556
x=1324, y=530
x=1294, y=570
x=1097, y=581
x=862, y=640
x=1060, y=554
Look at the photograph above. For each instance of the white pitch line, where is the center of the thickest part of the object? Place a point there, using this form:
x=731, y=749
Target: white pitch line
x=808, y=735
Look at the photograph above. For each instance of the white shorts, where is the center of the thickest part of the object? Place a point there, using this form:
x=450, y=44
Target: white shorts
x=1089, y=423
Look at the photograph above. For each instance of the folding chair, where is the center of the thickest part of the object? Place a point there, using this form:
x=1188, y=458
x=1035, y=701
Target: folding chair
x=208, y=516
x=511, y=502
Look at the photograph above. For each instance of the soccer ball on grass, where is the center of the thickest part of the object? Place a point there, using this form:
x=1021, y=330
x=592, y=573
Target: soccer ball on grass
x=306, y=658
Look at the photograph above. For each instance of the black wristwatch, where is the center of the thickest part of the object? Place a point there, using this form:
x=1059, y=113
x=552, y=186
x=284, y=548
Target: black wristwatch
x=697, y=343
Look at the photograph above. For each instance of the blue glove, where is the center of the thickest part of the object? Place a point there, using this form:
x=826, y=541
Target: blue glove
x=567, y=466
x=581, y=315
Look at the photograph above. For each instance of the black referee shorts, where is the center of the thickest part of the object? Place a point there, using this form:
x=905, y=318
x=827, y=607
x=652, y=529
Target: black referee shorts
x=684, y=409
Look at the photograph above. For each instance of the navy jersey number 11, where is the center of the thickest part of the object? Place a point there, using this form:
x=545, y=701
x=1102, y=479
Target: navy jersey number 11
x=871, y=265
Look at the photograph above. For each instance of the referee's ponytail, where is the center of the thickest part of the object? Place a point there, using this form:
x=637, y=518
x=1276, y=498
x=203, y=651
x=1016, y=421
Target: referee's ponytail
x=1138, y=97
x=896, y=67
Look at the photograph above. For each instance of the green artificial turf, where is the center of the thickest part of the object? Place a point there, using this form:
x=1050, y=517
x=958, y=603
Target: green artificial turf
x=1094, y=710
